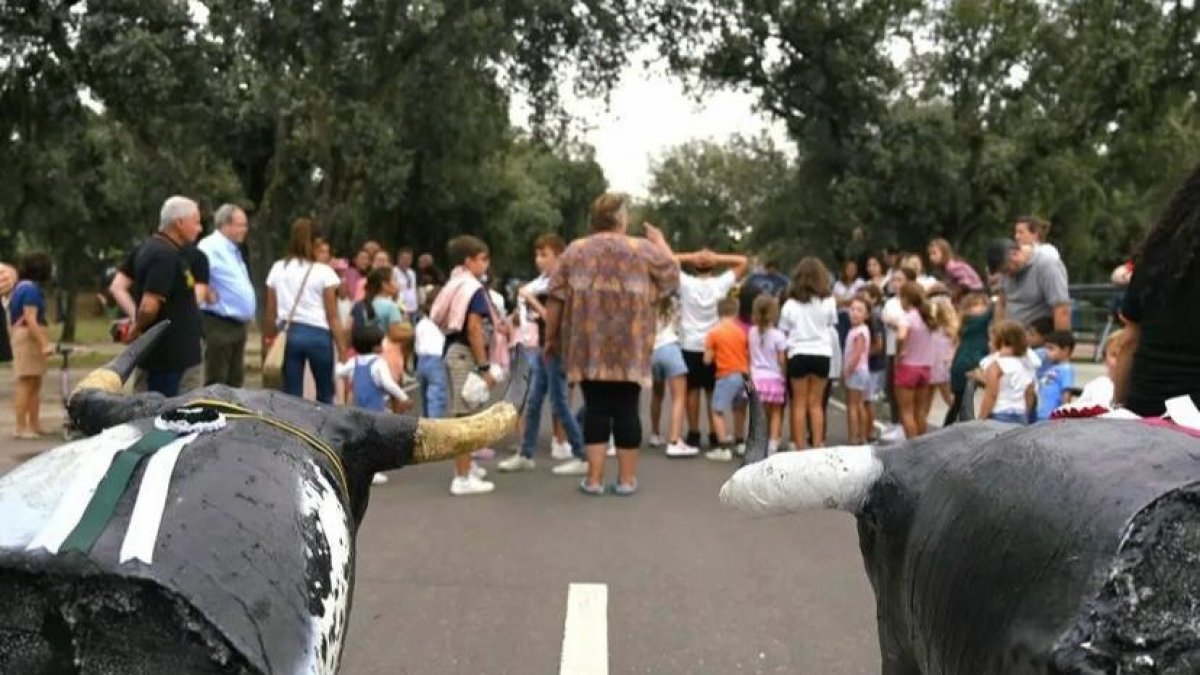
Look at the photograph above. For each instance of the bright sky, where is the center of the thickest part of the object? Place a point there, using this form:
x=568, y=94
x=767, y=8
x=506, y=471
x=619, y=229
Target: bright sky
x=648, y=113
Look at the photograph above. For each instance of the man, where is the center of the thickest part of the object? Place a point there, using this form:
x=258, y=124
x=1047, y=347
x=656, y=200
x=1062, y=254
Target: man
x=233, y=301
x=8, y=279
x=1030, y=284
x=428, y=273
x=770, y=280
x=699, y=294
x=406, y=282
x=1032, y=232
x=164, y=288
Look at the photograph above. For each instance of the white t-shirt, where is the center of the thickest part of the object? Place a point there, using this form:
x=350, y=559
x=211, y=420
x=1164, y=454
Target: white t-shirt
x=428, y=339
x=1048, y=250
x=698, y=298
x=406, y=285
x=1017, y=373
x=286, y=277
x=893, y=316
x=844, y=292
x=1097, y=392
x=807, y=326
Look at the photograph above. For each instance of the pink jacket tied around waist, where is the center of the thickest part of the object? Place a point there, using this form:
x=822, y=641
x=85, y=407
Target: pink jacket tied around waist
x=450, y=308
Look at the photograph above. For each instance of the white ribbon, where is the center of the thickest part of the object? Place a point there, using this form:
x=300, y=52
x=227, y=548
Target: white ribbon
x=142, y=533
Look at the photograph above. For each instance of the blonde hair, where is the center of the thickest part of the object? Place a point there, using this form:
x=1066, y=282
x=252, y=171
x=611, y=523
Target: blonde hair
x=765, y=313
x=1115, y=343
x=944, y=314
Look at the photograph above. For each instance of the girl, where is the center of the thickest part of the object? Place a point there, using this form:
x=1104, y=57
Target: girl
x=876, y=357
x=669, y=370
x=380, y=309
x=370, y=377
x=844, y=290
x=855, y=372
x=30, y=343
x=1009, y=374
x=943, y=345
x=914, y=349
x=807, y=318
x=975, y=315
x=768, y=362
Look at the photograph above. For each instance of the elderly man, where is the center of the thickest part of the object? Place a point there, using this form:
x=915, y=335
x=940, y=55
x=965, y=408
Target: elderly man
x=164, y=288
x=232, y=306
x=1030, y=283
x=8, y=279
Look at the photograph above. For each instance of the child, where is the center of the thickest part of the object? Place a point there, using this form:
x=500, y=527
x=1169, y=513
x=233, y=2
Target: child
x=855, y=371
x=975, y=315
x=378, y=308
x=669, y=370
x=807, y=318
x=1100, y=390
x=30, y=343
x=1058, y=375
x=1009, y=374
x=431, y=372
x=943, y=346
x=876, y=357
x=1035, y=338
x=768, y=362
x=914, y=352
x=370, y=376
x=727, y=349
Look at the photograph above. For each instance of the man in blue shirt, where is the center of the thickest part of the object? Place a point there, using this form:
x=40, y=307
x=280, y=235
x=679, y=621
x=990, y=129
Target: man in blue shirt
x=233, y=305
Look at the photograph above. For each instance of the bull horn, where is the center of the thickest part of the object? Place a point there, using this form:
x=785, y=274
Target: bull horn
x=756, y=435
x=831, y=478
x=439, y=439
x=112, y=377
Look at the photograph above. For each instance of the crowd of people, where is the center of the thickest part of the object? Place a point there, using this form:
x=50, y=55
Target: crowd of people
x=611, y=314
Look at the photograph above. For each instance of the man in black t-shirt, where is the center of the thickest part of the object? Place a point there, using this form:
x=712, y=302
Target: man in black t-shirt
x=164, y=280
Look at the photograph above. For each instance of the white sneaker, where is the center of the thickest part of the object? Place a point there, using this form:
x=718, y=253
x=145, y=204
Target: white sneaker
x=379, y=479
x=893, y=434
x=560, y=451
x=477, y=471
x=571, y=467
x=719, y=455
x=656, y=441
x=740, y=450
x=470, y=485
x=772, y=447
x=681, y=449
x=516, y=462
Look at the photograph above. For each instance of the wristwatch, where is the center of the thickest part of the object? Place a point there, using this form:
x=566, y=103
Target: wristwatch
x=484, y=368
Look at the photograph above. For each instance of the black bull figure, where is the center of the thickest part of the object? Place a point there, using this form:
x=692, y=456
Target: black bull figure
x=252, y=570
x=1066, y=547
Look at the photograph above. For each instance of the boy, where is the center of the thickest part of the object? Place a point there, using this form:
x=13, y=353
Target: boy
x=1057, y=373
x=371, y=378
x=464, y=313
x=727, y=350
x=548, y=375
x=1035, y=337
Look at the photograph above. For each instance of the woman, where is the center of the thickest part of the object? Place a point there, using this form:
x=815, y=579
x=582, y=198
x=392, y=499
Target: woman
x=955, y=273
x=808, y=319
x=30, y=343
x=1159, y=360
x=305, y=290
x=877, y=272
x=602, y=315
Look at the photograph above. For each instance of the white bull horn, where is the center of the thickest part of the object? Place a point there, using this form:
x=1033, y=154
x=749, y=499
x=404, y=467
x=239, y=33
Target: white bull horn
x=831, y=478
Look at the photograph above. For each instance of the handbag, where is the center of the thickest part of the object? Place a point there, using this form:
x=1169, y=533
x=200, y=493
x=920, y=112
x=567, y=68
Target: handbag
x=272, y=369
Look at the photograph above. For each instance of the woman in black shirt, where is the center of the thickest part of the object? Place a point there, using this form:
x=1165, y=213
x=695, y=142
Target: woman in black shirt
x=1162, y=311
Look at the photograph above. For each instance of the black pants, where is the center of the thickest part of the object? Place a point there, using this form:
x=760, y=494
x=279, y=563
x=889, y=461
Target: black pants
x=224, y=351
x=611, y=408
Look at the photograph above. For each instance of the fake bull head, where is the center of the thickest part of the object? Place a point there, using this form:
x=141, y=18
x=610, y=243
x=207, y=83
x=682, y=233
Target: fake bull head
x=1069, y=547
x=231, y=551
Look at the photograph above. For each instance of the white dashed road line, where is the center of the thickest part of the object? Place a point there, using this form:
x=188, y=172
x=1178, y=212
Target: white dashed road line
x=585, y=636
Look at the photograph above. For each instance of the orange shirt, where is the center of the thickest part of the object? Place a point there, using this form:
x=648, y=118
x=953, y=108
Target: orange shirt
x=730, y=348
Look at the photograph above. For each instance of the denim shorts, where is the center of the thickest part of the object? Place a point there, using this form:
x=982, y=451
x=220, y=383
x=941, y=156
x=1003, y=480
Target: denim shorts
x=860, y=381
x=667, y=363
x=729, y=391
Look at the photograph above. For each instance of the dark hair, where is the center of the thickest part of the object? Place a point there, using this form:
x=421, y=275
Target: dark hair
x=1011, y=334
x=431, y=293
x=727, y=307
x=1168, y=253
x=35, y=267
x=810, y=280
x=605, y=209
x=998, y=252
x=465, y=247
x=913, y=295
x=1042, y=325
x=376, y=278
x=883, y=266
x=550, y=241
x=846, y=263
x=946, y=249
x=366, y=338
x=871, y=291
x=1061, y=338
x=1036, y=226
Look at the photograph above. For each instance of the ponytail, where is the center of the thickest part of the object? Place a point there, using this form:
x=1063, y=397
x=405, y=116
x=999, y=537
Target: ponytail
x=913, y=295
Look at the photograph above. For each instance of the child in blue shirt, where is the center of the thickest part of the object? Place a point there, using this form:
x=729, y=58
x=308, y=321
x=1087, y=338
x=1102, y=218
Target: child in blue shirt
x=1057, y=374
x=1035, y=337
x=371, y=377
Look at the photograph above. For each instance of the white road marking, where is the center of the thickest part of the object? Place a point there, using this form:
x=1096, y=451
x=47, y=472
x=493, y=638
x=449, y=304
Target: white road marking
x=879, y=426
x=585, y=636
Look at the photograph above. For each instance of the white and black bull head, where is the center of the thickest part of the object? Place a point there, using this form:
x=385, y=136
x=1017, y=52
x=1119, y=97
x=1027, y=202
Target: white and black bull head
x=1069, y=547
x=227, y=548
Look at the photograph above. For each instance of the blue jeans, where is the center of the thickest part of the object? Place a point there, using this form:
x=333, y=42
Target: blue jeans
x=314, y=346
x=1010, y=416
x=166, y=384
x=548, y=377
x=435, y=385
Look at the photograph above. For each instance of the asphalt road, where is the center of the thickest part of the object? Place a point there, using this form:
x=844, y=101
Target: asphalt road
x=479, y=585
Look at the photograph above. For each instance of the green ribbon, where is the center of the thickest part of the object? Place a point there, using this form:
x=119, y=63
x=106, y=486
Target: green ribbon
x=108, y=492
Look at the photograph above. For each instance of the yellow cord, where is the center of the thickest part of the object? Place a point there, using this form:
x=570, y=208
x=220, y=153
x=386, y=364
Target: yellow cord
x=234, y=411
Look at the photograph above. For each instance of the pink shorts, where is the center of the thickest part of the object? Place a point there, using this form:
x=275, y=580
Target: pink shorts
x=771, y=390
x=912, y=377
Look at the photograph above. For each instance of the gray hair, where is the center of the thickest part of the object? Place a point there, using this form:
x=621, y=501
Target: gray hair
x=224, y=215
x=175, y=208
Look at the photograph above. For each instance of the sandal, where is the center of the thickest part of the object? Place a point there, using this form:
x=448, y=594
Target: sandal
x=623, y=489
x=592, y=490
